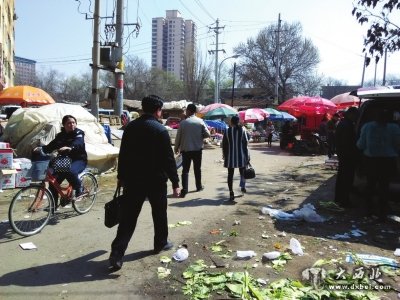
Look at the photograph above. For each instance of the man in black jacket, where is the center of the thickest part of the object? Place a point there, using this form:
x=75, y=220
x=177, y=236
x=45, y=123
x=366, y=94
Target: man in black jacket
x=146, y=161
x=348, y=155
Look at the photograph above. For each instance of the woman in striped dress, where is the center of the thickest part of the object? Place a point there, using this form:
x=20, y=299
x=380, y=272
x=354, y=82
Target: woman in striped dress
x=235, y=153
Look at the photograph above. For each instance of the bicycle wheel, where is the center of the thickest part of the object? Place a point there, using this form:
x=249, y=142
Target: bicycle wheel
x=89, y=185
x=30, y=210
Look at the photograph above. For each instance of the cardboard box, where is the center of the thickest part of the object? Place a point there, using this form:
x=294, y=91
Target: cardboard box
x=23, y=175
x=6, y=158
x=4, y=145
x=7, y=179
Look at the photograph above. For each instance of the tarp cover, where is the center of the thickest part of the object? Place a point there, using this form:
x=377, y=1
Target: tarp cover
x=30, y=127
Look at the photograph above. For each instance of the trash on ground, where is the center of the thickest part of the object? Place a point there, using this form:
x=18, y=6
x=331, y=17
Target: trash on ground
x=180, y=223
x=163, y=272
x=397, y=252
x=215, y=231
x=271, y=255
x=245, y=254
x=28, y=246
x=295, y=246
x=307, y=213
x=370, y=259
x=330, y=205
x=181, y=254
x=282, y=234
x=265, y=236
x=165, y=259
x=347, y=235
x=237, y=222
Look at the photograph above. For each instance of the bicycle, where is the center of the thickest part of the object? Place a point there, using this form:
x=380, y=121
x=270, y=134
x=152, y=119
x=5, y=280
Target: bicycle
x=32, y=207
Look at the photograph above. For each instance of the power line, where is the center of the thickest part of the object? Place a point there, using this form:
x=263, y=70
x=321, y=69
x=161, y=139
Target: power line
x=204, y=9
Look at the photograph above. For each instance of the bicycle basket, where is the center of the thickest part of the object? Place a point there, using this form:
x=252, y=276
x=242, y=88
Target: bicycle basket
x=39, y=169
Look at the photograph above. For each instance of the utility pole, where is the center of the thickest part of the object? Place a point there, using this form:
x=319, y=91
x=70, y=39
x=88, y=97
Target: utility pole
x=233, y=82
x=119, y=76
x=384, y=69
x=363, y=71
x=216, y=30
x=94, y=104
x=277, y=60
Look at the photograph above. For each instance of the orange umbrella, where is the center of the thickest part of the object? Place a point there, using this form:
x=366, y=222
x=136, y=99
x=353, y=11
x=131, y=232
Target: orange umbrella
x=25, y=95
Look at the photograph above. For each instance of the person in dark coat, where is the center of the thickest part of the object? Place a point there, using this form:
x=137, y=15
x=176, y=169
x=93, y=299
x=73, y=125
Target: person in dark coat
x=70, y=142
x=235, y=153
x=348, y=156
x=146, y=161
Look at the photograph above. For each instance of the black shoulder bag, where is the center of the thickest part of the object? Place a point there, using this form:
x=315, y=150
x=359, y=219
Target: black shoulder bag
x=112, y=209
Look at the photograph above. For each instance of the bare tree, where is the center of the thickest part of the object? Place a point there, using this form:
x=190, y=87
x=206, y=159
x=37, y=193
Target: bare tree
x=383, y=32
x=197, y=74
x=77, y=88
x=298, y=62
x=50, y=81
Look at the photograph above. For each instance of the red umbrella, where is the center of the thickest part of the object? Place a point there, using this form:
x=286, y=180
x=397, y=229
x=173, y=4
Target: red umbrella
x=253, y=115
x=345, y=100
x=308, y=106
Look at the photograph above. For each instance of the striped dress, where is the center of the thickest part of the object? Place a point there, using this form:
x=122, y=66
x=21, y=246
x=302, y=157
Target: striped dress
x=234, y=147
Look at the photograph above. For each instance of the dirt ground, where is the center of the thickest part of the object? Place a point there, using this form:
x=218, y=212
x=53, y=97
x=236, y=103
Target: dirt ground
x=71, y=259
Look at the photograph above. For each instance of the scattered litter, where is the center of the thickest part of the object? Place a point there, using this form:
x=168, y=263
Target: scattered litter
x=282, y=234
x=347, y=235
x=245, y=254
x=215, y=231
x=265, y=236
x=181, y=254
x=397, y=252
x=330, y=205
x=269, y=183
x=28, y=246
x=261, y=218
x=165, y=259
x=295, y=246
x=237, y=222
x=307, y=213
x=370, y=259
x=277, y=246
x=255, y=266
x=163, y=272
x=181, y=223
x=271, y=255
x=262, y=281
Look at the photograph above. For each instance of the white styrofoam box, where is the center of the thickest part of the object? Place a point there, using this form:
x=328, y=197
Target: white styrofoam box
x=7, y=179
x=4, y=145
x=22, y=178
x=22, y=163
x=6, y=158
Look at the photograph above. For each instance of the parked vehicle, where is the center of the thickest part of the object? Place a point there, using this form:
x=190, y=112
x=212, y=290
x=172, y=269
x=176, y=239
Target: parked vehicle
x=373, y=100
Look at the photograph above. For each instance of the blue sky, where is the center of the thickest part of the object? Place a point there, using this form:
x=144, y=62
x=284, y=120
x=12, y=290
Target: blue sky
x=57, y=34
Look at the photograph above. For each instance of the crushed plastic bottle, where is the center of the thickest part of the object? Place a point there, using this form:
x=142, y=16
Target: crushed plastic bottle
x=271, y=255
x=181, y=254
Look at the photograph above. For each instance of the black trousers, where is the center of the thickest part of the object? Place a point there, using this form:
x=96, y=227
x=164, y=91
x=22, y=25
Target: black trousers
x=187, y=158
x=344, y=179
x=231, y=171
x=379, y=171
x=130, y=210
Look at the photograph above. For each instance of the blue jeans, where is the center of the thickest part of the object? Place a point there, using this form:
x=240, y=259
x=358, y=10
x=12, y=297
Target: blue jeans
x=72, y=177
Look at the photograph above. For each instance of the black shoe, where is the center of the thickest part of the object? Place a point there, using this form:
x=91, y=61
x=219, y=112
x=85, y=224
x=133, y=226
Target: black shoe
x=183, y=193
x=200, y=188
x=166, y=247
x=243, y=190
x=115, y=263
x=231, y=196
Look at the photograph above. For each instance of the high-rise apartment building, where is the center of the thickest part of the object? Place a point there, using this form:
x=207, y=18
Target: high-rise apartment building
x=25, y=71
x=7, y=34
x=173, y=40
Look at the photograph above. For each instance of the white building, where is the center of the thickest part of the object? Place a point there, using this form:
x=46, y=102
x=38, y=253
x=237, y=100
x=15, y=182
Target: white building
x=172, y=39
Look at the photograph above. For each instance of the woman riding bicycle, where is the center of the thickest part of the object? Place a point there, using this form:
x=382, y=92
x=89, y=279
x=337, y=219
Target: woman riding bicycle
x=69, y=142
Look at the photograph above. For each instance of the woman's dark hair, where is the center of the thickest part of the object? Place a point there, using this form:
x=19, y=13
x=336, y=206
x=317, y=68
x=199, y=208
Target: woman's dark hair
x=235, y=120
x=151, y=103
x=65, y=119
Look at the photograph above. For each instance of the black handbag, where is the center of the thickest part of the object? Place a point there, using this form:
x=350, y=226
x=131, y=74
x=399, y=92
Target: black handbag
x=112, y=209
x=61, y=164
x=249, y=172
